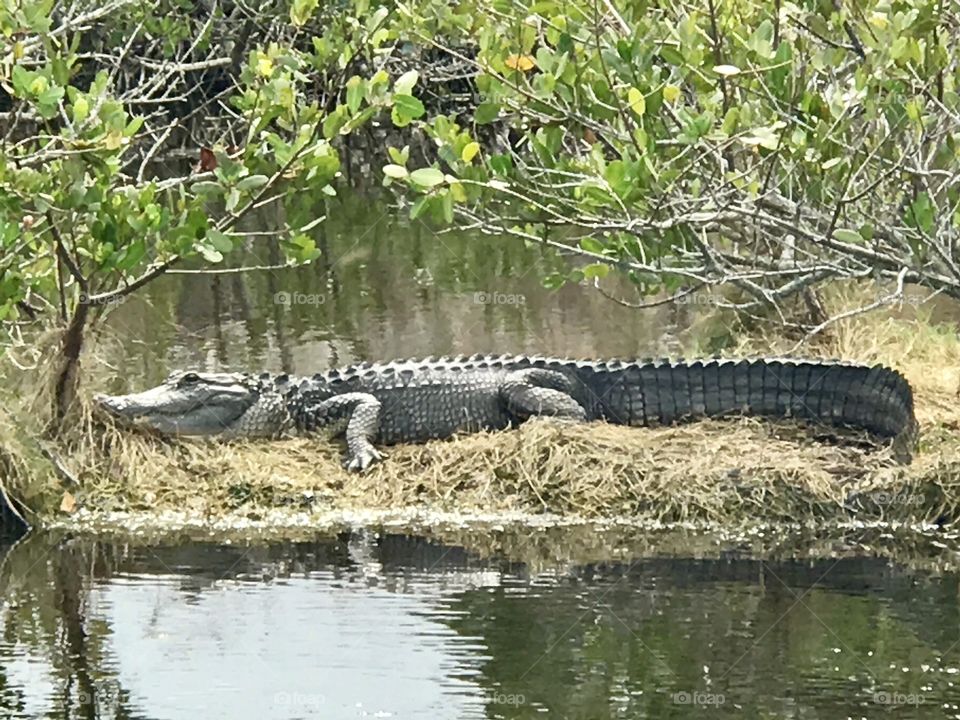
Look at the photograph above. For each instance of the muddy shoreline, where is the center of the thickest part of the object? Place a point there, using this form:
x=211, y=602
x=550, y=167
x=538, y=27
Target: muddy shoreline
x=543, y=542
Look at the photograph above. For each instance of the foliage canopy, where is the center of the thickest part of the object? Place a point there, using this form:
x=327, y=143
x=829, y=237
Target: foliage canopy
x=771, y=146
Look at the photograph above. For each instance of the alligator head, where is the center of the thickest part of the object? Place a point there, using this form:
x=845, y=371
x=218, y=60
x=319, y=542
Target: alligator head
x=187, y=403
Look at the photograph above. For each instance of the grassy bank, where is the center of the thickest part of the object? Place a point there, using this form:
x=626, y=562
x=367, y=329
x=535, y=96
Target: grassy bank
x=730, y=473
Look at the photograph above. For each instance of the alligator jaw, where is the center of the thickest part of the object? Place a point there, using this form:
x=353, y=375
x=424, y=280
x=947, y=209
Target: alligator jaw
x=185, y=404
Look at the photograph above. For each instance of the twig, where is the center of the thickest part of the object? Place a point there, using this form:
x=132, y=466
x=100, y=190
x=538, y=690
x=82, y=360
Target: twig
x=898, y=294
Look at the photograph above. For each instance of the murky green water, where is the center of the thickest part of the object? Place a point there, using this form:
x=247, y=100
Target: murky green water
x=385, y=289
x=382, y=289
x=389, y=626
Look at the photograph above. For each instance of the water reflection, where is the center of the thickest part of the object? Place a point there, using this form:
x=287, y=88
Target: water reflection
x=383, y=289
x=368, y=626
x=305, y=648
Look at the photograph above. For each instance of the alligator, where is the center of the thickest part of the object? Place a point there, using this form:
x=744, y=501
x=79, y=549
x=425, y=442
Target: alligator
x=417, y=400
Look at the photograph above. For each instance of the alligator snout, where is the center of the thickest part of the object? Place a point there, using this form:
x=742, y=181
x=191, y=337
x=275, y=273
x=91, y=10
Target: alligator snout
x=108, y=402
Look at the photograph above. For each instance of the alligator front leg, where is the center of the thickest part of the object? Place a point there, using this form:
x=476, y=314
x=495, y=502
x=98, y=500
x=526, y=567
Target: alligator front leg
x=538, y=392
x=359, y=414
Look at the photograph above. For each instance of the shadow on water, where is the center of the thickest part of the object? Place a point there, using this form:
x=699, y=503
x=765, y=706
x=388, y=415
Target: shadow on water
x=368, y=625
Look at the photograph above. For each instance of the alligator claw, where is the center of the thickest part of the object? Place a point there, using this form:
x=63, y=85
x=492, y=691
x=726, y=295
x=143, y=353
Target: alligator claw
x=362, y=460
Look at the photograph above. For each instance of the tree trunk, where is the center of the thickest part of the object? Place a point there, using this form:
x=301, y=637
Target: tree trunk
x=68, y=374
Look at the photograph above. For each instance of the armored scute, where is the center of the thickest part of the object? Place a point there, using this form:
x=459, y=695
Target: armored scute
x=417, y=400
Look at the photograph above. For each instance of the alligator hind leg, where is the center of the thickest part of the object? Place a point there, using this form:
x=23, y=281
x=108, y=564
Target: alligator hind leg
x=359, y=414
x=538, y=392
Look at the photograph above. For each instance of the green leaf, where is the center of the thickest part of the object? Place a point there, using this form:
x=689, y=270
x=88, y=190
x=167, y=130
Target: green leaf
x=671, y=55
x=848, y=236
x=220, y=241
x=470, y=151
x=914, y=110
x=404, y=84
x=334, y=121
x=448, y=207
x=252, y=182
x=921, y=213
x=591, y=245
x=48, y=101
x=427, y=177
x=400, y=157
x=233, y=199
x=616, y=176
x=596, y=270
x=399, y=118
x=486, y=112
x=767, y=137
x=457, y=192
x=208, y=252
x=22, y=79
x=409, y=106
x=355, y=93
x=761, y=42
x=301, y=10
x=359, y=119
x=132, y=255
x=501, y=164
x=726, y=70
x=81, y=109
x=554, y=281
x=133, y=126
x=637, y=102
x=206, y=187
x=899, y=48
x=420, y=206
x=395, y=171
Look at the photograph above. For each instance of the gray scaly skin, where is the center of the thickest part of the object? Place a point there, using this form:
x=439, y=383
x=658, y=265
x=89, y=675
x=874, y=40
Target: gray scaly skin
x=417, y=400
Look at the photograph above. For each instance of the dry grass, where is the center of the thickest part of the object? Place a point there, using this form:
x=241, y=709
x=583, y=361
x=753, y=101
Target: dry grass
x=713, y=471
x=724, y=472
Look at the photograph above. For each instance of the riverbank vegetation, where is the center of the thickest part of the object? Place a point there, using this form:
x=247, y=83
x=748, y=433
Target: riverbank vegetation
x=759, y=153
x=730, y=473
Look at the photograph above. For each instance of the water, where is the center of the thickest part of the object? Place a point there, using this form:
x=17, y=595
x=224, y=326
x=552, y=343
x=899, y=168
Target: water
x=390, y=626
x=382, y=289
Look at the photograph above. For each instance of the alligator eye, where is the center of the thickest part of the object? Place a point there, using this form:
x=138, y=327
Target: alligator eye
x=189, y=379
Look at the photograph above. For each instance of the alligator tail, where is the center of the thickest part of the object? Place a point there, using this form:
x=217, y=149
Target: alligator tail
x=877, y=399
